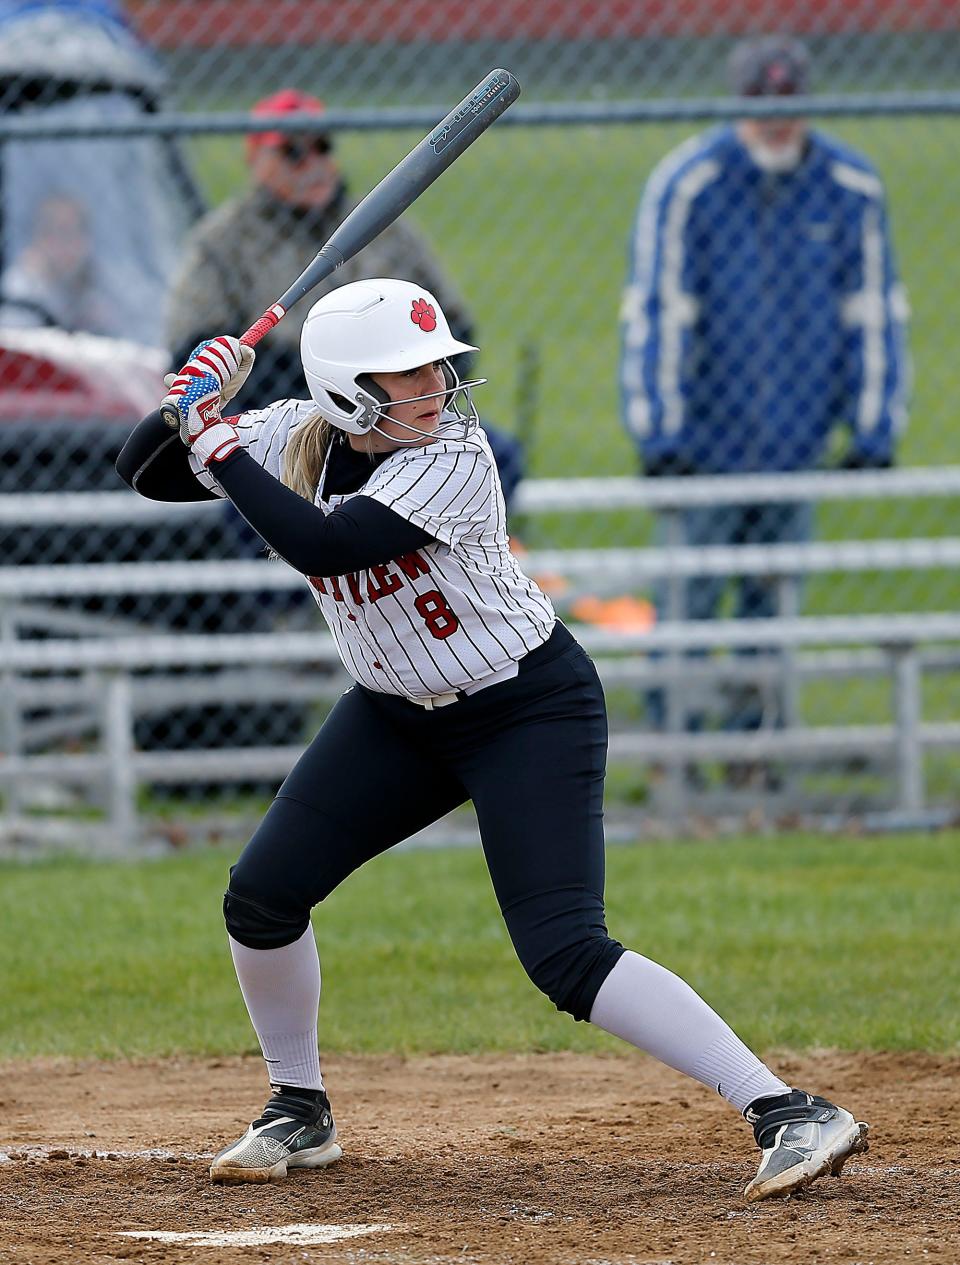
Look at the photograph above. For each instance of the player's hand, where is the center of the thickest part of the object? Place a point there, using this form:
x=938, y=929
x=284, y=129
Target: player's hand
x=231, y=388
x=227, y=358
x=214, y=373
x=240, y=375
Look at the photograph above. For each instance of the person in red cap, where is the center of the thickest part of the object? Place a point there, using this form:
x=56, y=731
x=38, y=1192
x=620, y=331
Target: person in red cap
x=299, y=169
x=246, y=251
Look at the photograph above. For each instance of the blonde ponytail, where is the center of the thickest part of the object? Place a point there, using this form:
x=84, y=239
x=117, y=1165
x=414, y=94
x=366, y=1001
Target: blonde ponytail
x=304, y=455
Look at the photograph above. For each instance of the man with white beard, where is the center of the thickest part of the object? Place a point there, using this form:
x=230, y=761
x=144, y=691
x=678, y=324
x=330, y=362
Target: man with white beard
x=762, y=310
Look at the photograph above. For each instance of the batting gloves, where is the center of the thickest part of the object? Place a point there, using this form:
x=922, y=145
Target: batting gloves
x=213, y=375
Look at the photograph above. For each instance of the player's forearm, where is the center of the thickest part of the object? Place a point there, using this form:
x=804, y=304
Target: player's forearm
x=155, y=463
x=363, y=533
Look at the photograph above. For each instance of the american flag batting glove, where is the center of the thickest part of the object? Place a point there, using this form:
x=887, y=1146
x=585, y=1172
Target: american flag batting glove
x=196, y=395
x=229, y=360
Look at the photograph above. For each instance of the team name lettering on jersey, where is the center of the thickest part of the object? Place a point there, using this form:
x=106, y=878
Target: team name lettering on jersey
x=440, y=619
x=380, y=582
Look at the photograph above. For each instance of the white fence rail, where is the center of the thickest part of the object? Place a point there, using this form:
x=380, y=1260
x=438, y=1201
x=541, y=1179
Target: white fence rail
x=618, y=566
x=111, y=666
x=114, y=678
x=539, y=496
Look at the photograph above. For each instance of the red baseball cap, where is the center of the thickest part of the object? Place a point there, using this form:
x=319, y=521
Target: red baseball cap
x=286, y=101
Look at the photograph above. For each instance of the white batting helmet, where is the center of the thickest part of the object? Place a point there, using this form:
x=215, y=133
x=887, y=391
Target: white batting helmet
x=377, y=326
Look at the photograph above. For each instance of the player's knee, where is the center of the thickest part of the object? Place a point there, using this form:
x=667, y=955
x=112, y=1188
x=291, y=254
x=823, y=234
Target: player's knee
x=258, y=926
x=572, y=977
x=562, y=943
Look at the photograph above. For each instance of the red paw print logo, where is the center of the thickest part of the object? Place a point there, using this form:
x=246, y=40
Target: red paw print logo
x=424, y=314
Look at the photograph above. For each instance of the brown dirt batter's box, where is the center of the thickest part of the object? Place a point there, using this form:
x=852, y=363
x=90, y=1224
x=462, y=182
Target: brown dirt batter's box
x=568, y=1159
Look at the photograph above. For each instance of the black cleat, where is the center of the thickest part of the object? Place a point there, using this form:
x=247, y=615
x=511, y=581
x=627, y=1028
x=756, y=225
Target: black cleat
x=296, y=1130
x=802, y=1137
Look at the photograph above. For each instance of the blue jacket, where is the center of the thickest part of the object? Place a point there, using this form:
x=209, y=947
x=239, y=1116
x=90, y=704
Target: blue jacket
x=762, y=310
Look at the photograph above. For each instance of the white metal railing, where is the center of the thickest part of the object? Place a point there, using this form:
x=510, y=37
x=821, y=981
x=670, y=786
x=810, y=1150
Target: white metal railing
x=621, y=566
x=539, y=496
x=118, y=768
x=163, y=650
x=116, y=669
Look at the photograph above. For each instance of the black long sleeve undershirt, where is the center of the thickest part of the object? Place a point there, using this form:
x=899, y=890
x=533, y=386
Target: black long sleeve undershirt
x=154, y=463
x=363, y=533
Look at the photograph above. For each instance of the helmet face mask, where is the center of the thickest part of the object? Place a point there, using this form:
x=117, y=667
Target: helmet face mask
x=381, y=326
x=458, y=413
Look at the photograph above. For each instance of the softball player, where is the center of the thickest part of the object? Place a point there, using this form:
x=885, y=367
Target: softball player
x=382, y=491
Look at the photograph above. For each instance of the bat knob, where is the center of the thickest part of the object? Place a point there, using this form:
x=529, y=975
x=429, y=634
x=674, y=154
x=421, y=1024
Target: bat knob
x=170, y=415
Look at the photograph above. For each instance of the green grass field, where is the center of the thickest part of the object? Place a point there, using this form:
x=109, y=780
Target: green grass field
x=799, y=941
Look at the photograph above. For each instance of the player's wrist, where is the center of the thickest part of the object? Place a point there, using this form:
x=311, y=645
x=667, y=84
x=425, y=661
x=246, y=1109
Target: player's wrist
x=215, y=443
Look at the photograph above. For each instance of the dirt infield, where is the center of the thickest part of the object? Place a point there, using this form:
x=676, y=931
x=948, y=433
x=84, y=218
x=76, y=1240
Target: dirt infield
x=540, y=1158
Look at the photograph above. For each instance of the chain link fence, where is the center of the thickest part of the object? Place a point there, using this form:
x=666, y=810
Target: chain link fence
x=648, y=297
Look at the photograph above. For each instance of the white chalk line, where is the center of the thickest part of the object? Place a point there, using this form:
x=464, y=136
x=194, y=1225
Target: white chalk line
x=302, y=1235
x=98, y=1153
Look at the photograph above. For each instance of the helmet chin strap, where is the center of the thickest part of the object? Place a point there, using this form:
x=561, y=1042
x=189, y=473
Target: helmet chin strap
x=467, y=422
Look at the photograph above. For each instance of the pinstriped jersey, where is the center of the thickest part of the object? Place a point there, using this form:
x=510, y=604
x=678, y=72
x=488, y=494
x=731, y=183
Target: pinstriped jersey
x=445, y=616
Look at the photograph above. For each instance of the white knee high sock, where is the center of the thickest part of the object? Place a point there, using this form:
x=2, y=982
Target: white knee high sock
x=656, y=1011
x=281, y=988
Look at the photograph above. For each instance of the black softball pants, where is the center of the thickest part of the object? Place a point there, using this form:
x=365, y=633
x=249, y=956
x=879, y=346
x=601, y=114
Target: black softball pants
x=529, y=752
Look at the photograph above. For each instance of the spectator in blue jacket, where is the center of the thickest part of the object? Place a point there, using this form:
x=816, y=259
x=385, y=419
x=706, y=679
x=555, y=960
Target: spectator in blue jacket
x=762, y=311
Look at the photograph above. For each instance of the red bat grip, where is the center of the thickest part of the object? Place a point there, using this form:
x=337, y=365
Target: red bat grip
x=272, y=316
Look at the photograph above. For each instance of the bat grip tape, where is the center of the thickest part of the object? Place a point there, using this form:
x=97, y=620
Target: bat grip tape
x=271, y=317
